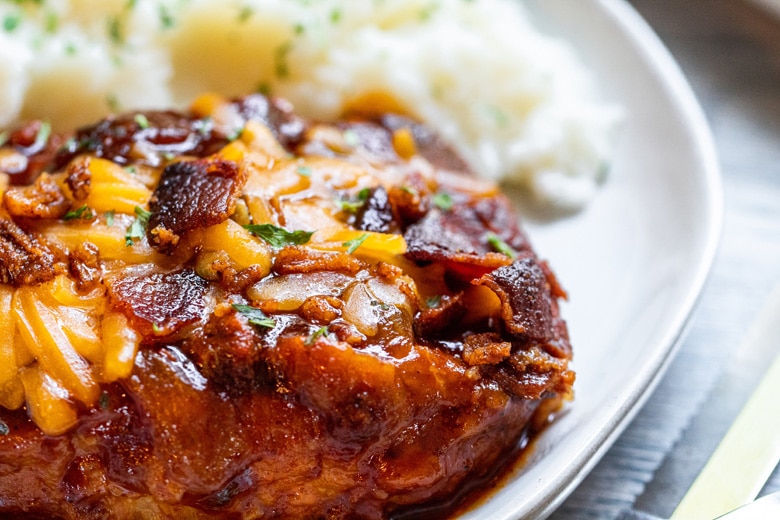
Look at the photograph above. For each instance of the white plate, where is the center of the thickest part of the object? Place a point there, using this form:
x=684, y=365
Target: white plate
x=634, y=261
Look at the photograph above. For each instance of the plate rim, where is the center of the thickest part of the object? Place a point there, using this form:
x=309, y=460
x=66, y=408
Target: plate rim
x=680, y=95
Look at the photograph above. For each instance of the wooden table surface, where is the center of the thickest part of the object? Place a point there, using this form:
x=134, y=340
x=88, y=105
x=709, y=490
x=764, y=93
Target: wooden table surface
x=730, y=52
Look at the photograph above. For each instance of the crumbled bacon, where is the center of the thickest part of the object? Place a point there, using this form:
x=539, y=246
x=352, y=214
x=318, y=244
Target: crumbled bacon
x=160, y=303
x=79, y=178
x=84, y=265
x=526, y=304
x=24, y=259
x=144, y=138
x=44, y=199
x=485, y=348
x=294, y=259
x=190, y=195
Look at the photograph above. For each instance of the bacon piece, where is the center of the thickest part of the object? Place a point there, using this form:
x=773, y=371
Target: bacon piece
x=24, y=259
x=44, y=199
x=526, y=302
x=79, y=178
x=84, y=266
x=36, y=150
x=294, y=259
x=433, y=320
x=190, y=195
x=376, y=214
x=532, y=373
x=144, y=138
x=275, y=113
x=485, y=349
x=160, y=303
x=460, y=238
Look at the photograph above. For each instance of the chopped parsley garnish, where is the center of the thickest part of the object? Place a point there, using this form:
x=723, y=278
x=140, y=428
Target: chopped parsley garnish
x=4, y=135
x=316, y=334
x=109, y=217
x=280, y=60
x=141, y=121
x=11, y=22
x=352, y=205
x=335, y=16
x=131, y=4
x=433, y=302
x=156, y=328
x=254, y=315
x=499, y=245
x=52, y=22
x=299, y=28
x=443, y=201
x=4, y=429
x=235, y=133
x=279, y=237
x=353, y=244
x=82, y=213
x=264, y=88
x=113, y=103
x=351, y=138
x=137, y=229
x=245, y=13
x=115, y=30
x=166, y=19
x=44, y=132
x=304, y=170
x=131, y=169
x=70, y=49
x=411, y=191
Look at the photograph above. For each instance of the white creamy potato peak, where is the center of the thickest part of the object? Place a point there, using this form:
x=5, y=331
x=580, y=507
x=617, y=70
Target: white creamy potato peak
x=519, y=105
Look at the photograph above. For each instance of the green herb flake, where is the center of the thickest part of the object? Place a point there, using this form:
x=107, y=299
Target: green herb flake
x=335, y=16
x=166, y=19
x=4, y=429
x=254, y=315
x=322, y=331
x=11, y=22
x=411, y=191
x=137, y=229
x=299, y=29
x=113, y=103
x=500, y=246
x=141, y=121
x=353, y=244
x=82, y=213
x=104, y=401
x=279, y=237
x=52, y=22
x=443, y=201
x=245, y=14
x=352, y=205
x=264, y=88
x=281, y=67
x=44, y=132
x=70, y=49
x=235, y=134
x=131, y=169
x=109, y=217
x=114, y=28
x=305, y=171
x=4, y=135
x=156, y=328
x=433, y=302
x=351, y=138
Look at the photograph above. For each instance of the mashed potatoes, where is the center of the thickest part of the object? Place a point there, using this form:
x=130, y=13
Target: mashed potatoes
x=518, y=104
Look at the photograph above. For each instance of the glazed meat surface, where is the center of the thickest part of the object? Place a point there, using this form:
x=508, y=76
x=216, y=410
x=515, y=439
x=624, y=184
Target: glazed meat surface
x=237, y=313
